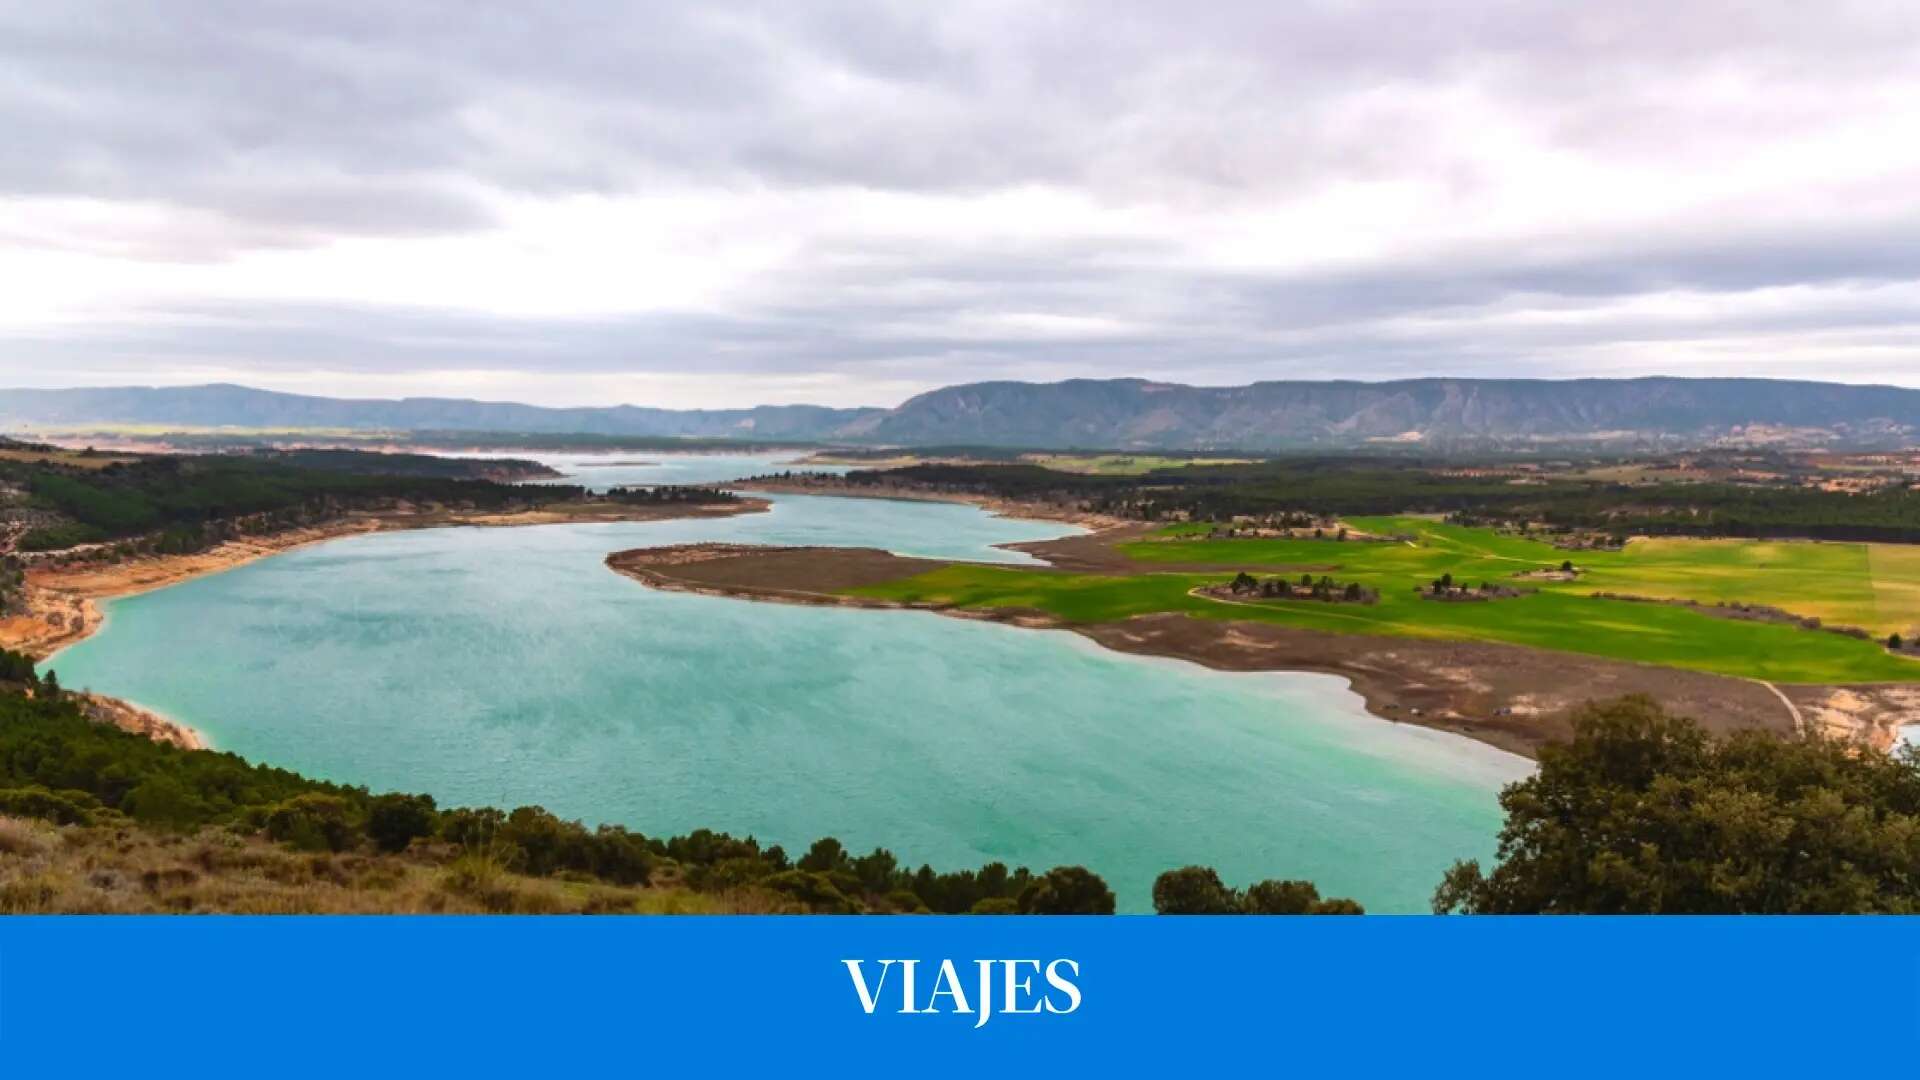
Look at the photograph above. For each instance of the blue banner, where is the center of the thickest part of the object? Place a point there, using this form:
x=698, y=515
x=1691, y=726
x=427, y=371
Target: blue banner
x=1373, y=996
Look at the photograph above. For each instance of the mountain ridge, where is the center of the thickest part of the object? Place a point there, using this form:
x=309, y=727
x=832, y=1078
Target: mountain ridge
x=1137, y=414
x=231, y=405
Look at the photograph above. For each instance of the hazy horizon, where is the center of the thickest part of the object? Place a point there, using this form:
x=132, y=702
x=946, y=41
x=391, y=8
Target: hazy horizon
x=883, y=405
x=743, y=203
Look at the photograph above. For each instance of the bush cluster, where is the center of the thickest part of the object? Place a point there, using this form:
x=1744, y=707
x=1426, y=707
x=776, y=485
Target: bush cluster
x=1198, y=890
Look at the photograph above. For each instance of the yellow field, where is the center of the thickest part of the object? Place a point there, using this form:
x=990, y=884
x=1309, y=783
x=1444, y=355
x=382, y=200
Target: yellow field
x=1895, y=571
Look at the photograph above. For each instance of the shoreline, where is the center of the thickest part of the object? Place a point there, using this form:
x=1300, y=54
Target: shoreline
x=62, y=603
x=140, y=720
x=1511, y=697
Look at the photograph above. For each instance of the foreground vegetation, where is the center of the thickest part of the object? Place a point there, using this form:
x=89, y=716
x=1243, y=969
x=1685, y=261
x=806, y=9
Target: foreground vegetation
x=220, y=833
x=1640, y=813
x=170, y=504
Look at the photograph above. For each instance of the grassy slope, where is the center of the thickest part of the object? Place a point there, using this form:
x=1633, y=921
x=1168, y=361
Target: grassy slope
x=1836, y=581
x=119, y=868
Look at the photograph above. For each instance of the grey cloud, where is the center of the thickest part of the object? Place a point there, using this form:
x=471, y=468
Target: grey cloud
x=187, y=100
x=288, y=124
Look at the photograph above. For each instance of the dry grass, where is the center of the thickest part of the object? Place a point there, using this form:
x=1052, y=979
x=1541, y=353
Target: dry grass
x=120, y=869
x=65, y=457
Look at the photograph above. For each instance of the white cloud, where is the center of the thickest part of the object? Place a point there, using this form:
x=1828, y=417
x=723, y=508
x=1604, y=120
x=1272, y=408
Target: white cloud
x=853, y=201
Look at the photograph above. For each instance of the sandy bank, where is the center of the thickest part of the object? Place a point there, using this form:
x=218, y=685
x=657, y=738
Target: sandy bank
x=129, y=717
x=1508, y=696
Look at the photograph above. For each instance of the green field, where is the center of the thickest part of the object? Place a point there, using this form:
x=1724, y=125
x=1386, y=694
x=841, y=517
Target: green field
x=1873, y=586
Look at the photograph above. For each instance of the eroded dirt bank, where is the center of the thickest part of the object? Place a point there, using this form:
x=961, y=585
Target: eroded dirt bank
x=1511, y=697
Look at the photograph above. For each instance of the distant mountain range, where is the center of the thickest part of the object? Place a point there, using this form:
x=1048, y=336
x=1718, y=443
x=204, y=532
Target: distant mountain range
x=224, y=405
x=1111, y=414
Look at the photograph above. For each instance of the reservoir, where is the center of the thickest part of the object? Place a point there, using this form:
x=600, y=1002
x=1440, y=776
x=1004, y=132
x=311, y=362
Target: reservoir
x=509, y=666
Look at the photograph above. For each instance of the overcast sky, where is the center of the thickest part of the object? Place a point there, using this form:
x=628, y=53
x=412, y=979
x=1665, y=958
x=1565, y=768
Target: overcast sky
x=723, y=203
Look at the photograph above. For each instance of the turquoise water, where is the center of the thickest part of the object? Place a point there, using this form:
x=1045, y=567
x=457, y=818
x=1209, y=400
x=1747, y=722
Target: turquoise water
x=509, y=666
x=643, y=469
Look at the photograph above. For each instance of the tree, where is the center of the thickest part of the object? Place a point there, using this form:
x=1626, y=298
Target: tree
x=623, y=858
x=15, y=667
x=1243, y=582
x=1644, y=813
x=1566, y=566
x=164, y=800
x=393, y=821
x=1067, y=890
x=541, y=838
x=1193, y=890
x=825, y=854
x=1280, y=898
x=876, y=871
x=313, y=822
x=472, y=828
x=1895, y=642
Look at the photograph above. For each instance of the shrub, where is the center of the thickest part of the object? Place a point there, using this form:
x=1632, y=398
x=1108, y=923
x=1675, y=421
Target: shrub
x=621, y=857
x=906, y=902
x=482, y=880
x=472, y=828
x=825, y=854
x=393, y=821
x=1644, y=813
x=19, y=839
x=1067, y=890
x=1193, y=890
x=313, y=822
x=815, y=891
x=59, y=807
x=164, y=800
x=1281, y=898
x=548, y=843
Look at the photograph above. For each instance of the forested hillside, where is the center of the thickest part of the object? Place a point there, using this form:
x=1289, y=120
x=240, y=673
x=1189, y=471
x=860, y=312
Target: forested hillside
x=1372, y=486
x=184, y=503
